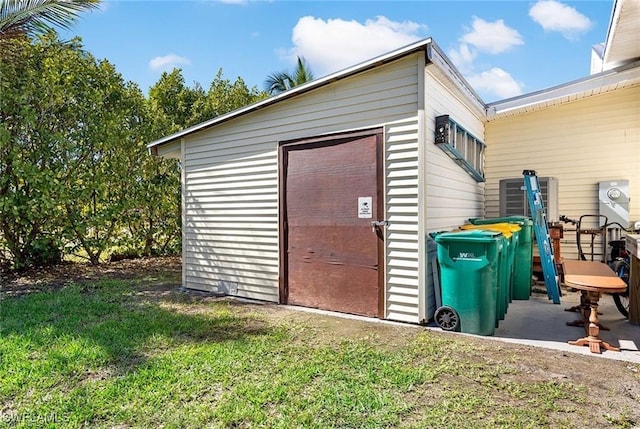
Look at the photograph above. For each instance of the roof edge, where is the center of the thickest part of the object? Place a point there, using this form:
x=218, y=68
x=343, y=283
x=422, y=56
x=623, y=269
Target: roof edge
x=613, y=25
x=553, y=93
x=437, y=57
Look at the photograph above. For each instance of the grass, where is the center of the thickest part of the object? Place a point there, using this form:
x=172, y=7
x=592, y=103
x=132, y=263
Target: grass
x=114, y=354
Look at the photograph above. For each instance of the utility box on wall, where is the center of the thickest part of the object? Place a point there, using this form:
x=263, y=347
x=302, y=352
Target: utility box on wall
x=513, y=197
x=613, y=196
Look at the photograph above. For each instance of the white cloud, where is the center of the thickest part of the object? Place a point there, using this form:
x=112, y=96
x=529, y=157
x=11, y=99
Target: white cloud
x=462, y=57
x=334, y=44
x=556, y=16
x=492, y=37
x=496, y=81
x=167, y=62
x=486, y=37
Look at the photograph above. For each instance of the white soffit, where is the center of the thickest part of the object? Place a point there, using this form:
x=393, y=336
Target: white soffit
x=623, y=39
x=601, y=83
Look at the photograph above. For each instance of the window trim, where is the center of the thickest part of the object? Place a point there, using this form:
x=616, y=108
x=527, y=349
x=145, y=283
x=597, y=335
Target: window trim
x=454, y=140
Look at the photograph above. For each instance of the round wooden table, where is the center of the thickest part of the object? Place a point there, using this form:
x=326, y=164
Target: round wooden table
x=594, y=279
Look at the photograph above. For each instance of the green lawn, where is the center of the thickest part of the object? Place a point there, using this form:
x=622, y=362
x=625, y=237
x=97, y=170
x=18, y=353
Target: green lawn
x=119, y=354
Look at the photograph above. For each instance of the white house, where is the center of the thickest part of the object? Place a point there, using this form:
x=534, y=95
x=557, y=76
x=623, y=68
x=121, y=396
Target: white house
x=324, y=195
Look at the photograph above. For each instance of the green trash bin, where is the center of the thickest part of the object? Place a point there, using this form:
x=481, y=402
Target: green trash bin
x=510, y=234
x=523, y=269
x=469, y=264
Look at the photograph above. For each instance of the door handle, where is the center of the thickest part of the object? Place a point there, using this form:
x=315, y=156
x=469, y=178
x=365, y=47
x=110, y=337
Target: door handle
x=377, y=223
x=377, y=226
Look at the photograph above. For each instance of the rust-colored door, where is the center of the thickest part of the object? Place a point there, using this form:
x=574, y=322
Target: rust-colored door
x=332, y=255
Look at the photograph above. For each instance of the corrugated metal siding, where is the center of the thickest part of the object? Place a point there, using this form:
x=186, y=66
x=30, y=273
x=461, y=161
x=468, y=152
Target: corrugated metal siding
x=581, y=143
x=402, y=212
x=231, y=176
x=452, y=196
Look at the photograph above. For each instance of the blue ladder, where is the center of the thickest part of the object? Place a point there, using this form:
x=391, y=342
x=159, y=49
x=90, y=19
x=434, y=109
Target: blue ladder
x=542, y=235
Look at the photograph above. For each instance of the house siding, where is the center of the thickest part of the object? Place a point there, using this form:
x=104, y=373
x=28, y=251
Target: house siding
x=580, y=143
x=231, y=183
x=451, y=195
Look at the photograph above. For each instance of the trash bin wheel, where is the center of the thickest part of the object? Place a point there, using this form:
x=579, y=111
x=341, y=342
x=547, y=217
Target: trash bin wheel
x=447, y=318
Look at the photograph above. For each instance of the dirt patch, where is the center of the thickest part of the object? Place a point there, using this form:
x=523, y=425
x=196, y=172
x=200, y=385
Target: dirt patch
x=58, y=276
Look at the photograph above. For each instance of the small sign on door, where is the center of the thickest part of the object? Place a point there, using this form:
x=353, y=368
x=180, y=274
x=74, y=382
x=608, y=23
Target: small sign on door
x=365, y=211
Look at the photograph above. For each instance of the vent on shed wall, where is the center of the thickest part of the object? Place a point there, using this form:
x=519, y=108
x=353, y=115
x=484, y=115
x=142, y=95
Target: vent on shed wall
x=513, y=198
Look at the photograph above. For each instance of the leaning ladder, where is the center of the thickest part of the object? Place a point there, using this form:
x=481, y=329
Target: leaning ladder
x=542, y=235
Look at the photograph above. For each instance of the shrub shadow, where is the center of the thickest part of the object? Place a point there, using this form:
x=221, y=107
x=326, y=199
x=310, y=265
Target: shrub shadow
x=129, y=325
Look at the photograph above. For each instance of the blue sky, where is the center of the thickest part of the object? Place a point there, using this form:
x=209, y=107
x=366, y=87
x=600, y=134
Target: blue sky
x=503, y=48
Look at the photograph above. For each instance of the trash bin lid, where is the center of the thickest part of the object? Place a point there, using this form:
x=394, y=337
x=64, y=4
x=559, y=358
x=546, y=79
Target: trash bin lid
x=520, y=220
x=507, y=229
x=470, y=235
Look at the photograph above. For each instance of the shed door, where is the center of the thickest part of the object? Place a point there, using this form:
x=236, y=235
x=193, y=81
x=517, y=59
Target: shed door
x=332, y=256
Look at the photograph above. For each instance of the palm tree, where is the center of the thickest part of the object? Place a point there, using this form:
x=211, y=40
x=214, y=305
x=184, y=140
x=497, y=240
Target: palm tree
x=21, y=18
x=282, y=81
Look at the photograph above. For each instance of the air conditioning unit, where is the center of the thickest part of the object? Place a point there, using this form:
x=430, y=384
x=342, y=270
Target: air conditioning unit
x=513, y=197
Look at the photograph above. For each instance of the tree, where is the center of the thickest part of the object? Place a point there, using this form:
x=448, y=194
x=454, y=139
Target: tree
x=225, y=96
x=172, y=102
x=153, y=220
x=283, y=81
x=20, y=18
x=29, y=166
x=105, y=156
x=75, y=174
x=181, y=106
x=67, y=126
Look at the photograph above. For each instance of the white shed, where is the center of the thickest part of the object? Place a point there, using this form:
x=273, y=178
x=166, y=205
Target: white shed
x=279, y=197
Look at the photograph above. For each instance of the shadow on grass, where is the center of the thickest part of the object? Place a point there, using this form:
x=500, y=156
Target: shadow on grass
x=114, y=324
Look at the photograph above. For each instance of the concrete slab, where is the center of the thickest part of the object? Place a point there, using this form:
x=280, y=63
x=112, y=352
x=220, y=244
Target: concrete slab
x=539, y=322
